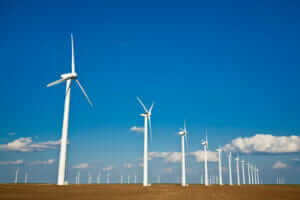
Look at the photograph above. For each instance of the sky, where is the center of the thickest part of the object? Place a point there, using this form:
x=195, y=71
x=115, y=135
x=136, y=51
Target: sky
x=230, y=67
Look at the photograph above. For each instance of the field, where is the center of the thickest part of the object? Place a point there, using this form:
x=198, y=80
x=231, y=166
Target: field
x=156, y=192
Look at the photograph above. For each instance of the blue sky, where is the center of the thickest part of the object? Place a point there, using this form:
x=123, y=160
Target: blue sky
x=231, y=67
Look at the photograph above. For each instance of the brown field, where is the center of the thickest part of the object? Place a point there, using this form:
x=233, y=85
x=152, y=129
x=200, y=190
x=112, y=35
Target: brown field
x=161, y=191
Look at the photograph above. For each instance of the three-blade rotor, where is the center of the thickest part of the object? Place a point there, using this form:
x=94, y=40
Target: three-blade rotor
x=72, y=75
x=147, y=114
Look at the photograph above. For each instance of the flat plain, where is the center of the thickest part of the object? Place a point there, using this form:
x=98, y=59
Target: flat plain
x=156, y=191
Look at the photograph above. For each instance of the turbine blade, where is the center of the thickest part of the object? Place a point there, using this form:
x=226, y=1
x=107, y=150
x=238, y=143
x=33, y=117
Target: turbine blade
x=56, y=82
x=73, y=57
x=150, y=127
x=151, y=107
x=184, y=126
x=86, y=96
x=140, y=101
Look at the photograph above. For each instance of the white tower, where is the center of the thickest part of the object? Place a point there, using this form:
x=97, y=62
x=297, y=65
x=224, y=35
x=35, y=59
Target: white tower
x=229, y=168
x=147, y=116
x=63, y=142
x=237, y=159
x=99, y=178
x=254, y=174
x=220, y=166
x=205, y=144
x=243, y=171
x=257, y=175
x=249, y=175
x=25, y=178
x=17, y=174
x=183, y=135
x=121, y=179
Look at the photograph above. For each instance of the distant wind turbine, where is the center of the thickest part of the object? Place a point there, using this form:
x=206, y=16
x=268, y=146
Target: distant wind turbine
x=237, y=159
x=205, y=144
x=249, y=173
x=229, y=168
x=183, y=134
x=17, y=174
x=220, y=166
x=147, y=117
x=99, y=178
x=25, y=178
x=243, y=171
x=63, y=143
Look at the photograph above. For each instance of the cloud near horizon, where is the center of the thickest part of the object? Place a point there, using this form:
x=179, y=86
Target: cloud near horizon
x=108, y=168
x=199, y=156
x=137, y=129
x=279, y=165
x=17, y=162
x=25, y=144
x=46, y=162
x=81, y=166
x=169, y=157
x=264, y=143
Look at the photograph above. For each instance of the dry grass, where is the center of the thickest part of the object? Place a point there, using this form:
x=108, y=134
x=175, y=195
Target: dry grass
x=156, y=192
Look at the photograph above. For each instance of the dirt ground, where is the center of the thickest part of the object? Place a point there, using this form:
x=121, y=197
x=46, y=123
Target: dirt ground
x=160, y=191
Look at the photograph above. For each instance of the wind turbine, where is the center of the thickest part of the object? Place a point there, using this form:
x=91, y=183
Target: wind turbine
x=63, y=143
x=249, y=173
x=121, y=180
x=183, y=134
x=237, y=159
x=25, y=178
x=99, y=177
x=147, y=117
x=220, y=166
x=16, y=177
x=89, y=178
x=205, y=144
x=229, y=168
x=243, y=171
x=255, y=174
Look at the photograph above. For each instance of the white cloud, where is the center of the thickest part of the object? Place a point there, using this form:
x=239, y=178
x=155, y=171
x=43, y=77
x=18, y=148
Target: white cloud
x=171, y=157
x=46, y=162
x=81, y=166
x=108, y=168
x=264, y=143
x=141, y=164
x=279, y=165
x=26, y=145
x=137, y=129
x=11, y=133
x=199, y=156
x=128, y=165
x=17, y=162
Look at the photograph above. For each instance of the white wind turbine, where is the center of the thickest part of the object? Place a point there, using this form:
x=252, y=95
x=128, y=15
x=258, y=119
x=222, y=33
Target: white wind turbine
x=205, y=144
x=63, y=145
x=243, y=171
x=220, y=166
x=249, y=173
x=25, y=178
x=17, y=174
x=229, y=168
x=257, y=175
x=254, y=174
x=237, y=159
x=147, y=117
x=183, y=134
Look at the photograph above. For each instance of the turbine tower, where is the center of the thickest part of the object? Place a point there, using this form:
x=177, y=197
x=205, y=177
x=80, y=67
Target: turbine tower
x=251, y=172
x=25, y=178
x=249, y=175
x=17, y=174
x=243, y=171
x=147, y=117
x=237, y=159
x=99, y=177
x=254, y=174
x=229, y=168
x=257, y=175
x=183, y=134
x=220, y=166
x=205, y=144
x=63, y=143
